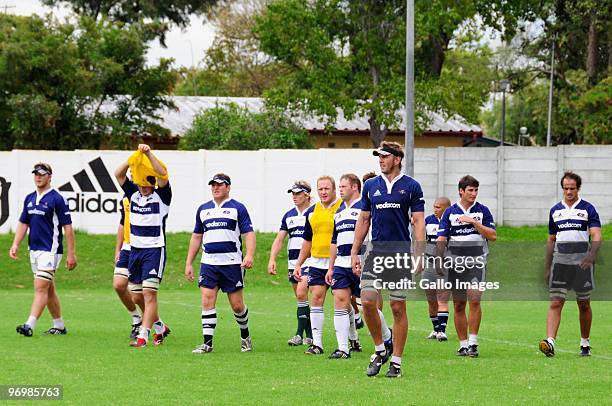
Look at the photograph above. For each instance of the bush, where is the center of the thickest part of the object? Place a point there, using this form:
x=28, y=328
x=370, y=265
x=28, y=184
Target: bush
x=231, y=127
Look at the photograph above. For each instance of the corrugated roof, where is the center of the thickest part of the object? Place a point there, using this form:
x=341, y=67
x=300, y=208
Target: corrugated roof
x=179, y=121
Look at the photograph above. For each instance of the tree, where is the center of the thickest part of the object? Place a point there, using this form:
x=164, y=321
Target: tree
x=230, y=127
x=234, y=65
x=160, y=14
x=71, y=86
x=582, y=92
x=131, y=11
x=350, y=55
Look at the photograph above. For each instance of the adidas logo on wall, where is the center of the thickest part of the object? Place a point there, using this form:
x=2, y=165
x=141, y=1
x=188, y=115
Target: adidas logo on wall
x=90, y=198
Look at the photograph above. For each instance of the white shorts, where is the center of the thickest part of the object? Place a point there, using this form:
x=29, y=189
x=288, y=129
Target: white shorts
x=44, y=261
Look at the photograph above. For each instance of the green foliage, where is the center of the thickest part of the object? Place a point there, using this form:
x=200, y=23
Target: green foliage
x=59, y=79
x=231, y=127
x=581, y=113
x=133, y=11
x=351, y=55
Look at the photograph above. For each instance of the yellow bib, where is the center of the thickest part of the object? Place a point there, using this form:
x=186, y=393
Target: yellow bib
x=126, y=220
x=322, y=224
x=141, y=167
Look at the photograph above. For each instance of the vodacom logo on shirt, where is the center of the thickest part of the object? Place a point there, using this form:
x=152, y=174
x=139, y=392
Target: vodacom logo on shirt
x=388, y=205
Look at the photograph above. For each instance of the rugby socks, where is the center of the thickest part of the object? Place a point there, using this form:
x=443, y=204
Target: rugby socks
x=352, y=326
x=158, y=326
x=317, y=318
x=585, y=342
x=386, y=333
x=136, y=318
x=473, y=339
x=396, y=360
x=463, y=343
x=209, y=322
x=342, y=325
x=59, y=323
x=242, y=319
x=31, y=321
x=434, y=322
x=442, y=321
x=380, y=348
x=144, y=333
x=303, y=319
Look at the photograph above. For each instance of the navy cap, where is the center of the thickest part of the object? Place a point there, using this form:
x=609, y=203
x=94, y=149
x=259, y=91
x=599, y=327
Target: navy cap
x=42, y=169
x=299, y=187
x=220, y=178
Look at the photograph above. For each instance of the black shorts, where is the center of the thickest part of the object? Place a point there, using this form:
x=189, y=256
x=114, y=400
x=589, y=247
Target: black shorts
x=564, y=277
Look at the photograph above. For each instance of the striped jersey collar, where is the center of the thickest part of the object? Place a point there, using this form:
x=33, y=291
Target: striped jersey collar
x=573, y=206
x=39, y=196
x=468, y=209
x=222, y=203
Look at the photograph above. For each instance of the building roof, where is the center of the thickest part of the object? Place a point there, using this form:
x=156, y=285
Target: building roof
x=179, y=121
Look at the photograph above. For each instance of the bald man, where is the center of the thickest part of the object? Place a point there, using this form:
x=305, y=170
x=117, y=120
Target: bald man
x=437, y=298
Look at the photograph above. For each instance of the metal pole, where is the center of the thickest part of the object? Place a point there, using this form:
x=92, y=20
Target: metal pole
x=550, y=94
x=409, y=134
x=503, y=123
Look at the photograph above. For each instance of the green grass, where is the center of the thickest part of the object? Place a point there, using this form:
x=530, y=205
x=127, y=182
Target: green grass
x=95, y=364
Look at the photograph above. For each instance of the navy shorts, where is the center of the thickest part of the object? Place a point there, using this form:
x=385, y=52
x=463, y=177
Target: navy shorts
x=292, y=279
x=228, y=278
x=316, y=276
x=146, y=263
x=345, y=278
x=124, y=259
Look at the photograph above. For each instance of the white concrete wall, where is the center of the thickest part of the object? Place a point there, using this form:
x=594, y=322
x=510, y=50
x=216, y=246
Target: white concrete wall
x=519, y=184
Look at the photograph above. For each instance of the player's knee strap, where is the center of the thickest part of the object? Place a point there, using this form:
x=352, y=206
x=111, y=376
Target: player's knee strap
x=135, y=288
x=151, y=284
x=45, y=275
x=123, y=272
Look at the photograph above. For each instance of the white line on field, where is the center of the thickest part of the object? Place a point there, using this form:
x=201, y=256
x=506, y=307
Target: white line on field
x=513, y=343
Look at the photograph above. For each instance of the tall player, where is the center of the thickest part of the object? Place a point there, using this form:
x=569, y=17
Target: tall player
x=316, y=246
x=220, y=223
x=45, y=213
x=340, y=276
x=149, y=207
x=437, y=299
x=292, y=225
x=121, y=274
x=573, y=223
x=467, y=226
x=389, y=201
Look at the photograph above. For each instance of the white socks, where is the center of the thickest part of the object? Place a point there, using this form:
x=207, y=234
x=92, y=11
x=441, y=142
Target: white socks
x=585, y=342
x=386, y=333
x=136, y=318
x=58, y=323
x=473, y=339
x=31, y=321
x=353, y=327
x=317, y=318
x=342, y=325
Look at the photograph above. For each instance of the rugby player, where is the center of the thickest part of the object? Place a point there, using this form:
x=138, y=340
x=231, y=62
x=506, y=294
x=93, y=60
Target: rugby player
x=316, y=247
x=467, y=226
x=292, y=225
x=45, y=213
x=219, y=225
x=340, y=277
x=437, y=299
x=121, y=274
x=389, y=201
x=148, y=211
x=574, y=238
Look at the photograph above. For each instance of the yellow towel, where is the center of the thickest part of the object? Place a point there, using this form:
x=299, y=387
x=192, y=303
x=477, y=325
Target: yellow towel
x=141, y=168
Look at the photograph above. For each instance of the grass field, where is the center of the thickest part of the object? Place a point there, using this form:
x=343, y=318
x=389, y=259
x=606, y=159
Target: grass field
x=95, y=365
